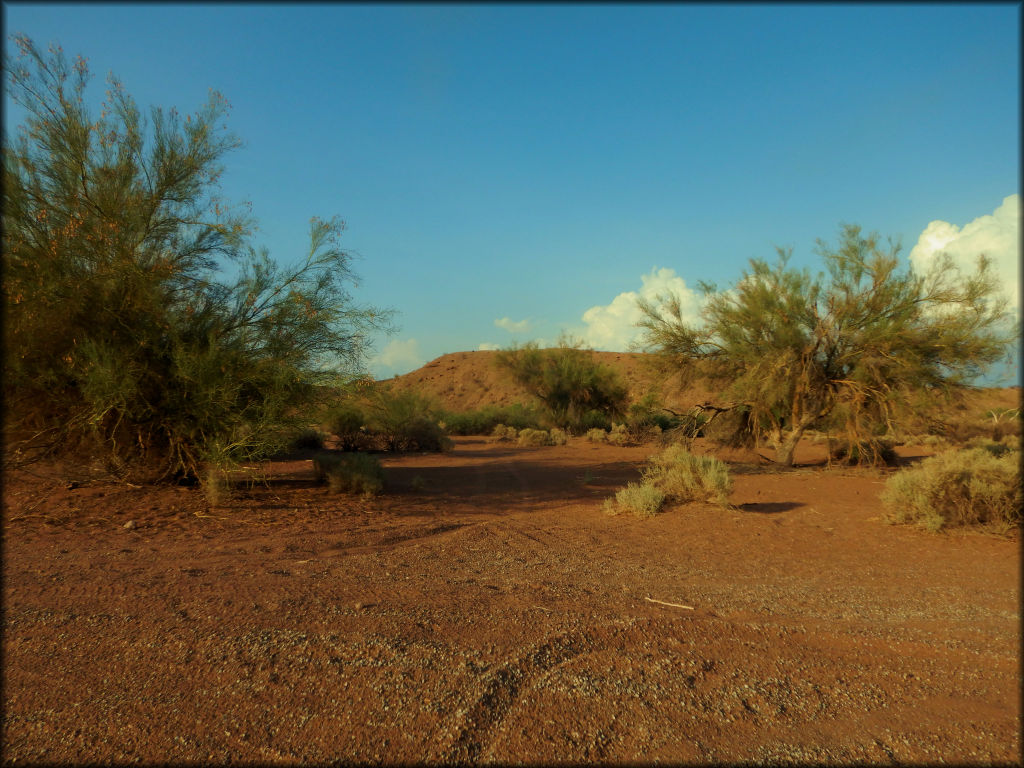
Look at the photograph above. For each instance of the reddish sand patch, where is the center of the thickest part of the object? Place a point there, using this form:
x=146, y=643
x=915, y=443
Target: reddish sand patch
x=486, y=609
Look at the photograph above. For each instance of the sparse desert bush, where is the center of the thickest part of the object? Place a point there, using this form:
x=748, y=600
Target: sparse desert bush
x=640, y=499
x=346, y=422
x=405, y=421
x=557, y=436
x=593, y=420
x=597, y=435
x=957, y=487
x=567, y=381
x=504, y=434
x=647, y=414
x=684, y=477
x=618, y=435
x=484, y=420
x=674, y=476
x=350, y=472
x=533, y=438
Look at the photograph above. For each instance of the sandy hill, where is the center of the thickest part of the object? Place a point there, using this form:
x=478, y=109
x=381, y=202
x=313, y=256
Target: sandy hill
x=464, y=381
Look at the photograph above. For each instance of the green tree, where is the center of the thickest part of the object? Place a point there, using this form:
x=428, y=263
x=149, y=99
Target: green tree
x=567, y=380
x=860, y=344
x=121, y=320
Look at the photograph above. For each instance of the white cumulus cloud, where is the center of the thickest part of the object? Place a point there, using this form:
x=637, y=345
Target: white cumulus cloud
x=486, y=346
x=398, y=357
x=612, y=326
x=997, y=235
x=513, y=326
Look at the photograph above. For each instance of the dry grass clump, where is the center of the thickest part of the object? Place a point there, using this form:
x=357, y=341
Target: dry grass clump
x=502, y=433
x=597, y=435
x=350, y=472
x=684, y=477
x=618, y=435
x=639, y=499
x=558, y=436
x=958, y=487
x=674, y=476
x=533, y=438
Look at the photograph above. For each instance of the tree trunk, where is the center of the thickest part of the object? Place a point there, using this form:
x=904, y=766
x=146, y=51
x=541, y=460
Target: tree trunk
x=787, y=447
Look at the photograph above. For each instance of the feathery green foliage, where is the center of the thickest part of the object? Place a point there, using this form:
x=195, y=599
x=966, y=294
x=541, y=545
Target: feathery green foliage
x=484, y=420
x=405, y=421
x=135, y=310
x=860, y=345
x=573, y=388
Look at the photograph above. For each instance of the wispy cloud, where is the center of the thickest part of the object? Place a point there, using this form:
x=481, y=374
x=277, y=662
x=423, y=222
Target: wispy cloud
x=398, y=357
x=997, y=235
x=613, y=326
x=486, y=346
x=513, y=326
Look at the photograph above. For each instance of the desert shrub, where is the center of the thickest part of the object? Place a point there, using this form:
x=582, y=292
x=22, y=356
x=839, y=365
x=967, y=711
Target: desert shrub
x=137, y=309
x=618, y=435
x=484, y=420
x=308, y=439
x=872, y=452
x=674, y=476
x=995, y=448
x=684, y=477
x=557, y=436
x=593, y=420
x=347, y=422
x=957, y=487
x=533, y=438
x=350, y=472
x=597, y=435
x=647, y=413
x=640, y=499
x=504, y=433
x=867, y=340
x=405, y=421
x=567, y=381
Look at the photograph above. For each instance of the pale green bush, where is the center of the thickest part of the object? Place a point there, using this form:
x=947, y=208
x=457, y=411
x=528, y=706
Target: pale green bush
x=639, y=499
x=350, y=472
x=597, y=435
x=504, y=433
x=957, y=487
x=533, y=438
x=558, y=436
x=674, y=476
x=684, y=477
x=618, y=435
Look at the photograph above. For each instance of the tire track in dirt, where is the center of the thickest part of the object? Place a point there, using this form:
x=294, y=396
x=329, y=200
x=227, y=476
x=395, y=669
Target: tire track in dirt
x=502, y=689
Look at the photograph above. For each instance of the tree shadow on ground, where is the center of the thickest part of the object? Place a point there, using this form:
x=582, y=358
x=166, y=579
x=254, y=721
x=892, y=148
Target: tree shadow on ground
x=769, y=507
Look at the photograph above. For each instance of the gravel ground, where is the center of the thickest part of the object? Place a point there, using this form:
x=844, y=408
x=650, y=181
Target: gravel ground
x=496, y=614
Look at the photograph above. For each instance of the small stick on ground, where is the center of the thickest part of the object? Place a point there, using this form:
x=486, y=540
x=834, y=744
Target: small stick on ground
x=674, y=605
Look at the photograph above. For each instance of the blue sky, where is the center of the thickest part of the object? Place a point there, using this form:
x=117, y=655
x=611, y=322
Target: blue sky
x=511, y=172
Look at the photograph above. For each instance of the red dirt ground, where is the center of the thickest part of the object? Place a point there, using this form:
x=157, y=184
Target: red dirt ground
x=486, y=609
